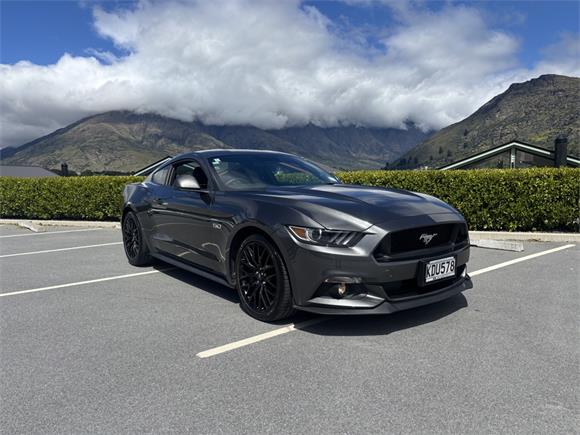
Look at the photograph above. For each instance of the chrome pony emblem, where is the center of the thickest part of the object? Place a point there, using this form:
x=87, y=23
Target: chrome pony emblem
x=426, y=238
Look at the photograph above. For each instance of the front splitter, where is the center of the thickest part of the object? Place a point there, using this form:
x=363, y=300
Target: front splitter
x=386, y=306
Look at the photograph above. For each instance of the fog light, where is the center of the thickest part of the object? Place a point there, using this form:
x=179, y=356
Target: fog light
x=341, y=290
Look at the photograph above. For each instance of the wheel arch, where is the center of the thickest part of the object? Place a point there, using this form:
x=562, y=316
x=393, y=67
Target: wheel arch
x=126, y=209
x=236, y=242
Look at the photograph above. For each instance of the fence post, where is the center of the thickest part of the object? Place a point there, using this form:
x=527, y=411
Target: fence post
x=560, y=151
x=512, y=157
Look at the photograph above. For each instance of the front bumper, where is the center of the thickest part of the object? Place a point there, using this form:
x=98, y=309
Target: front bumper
x=383, y=286
x=387, y=306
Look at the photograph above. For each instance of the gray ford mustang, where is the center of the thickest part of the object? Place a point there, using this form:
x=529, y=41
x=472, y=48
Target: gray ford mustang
x=288, y=235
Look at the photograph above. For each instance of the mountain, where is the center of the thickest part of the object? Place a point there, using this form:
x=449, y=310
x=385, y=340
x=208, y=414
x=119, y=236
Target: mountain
x=536, y=111
x=125, y=141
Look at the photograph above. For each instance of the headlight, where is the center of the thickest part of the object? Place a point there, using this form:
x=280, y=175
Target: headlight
x=321, y=237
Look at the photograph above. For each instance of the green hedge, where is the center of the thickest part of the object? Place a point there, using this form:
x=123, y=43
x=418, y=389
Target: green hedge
x=540, y=199
x=79, y=198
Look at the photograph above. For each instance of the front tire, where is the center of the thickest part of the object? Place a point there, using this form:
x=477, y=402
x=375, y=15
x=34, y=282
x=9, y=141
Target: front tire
x=262, y=280
x=135, y=246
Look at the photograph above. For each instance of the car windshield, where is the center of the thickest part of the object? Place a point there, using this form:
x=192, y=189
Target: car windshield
x=260, y=171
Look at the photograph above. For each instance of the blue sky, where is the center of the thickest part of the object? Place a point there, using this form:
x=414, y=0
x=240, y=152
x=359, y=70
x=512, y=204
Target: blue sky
x=271, y=63
x=41, y=31
x=536, y=23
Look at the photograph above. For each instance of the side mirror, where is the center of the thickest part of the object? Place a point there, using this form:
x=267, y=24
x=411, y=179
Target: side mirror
x=186, y=182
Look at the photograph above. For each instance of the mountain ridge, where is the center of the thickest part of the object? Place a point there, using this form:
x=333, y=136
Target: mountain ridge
x=125, y=141
x=535, y=112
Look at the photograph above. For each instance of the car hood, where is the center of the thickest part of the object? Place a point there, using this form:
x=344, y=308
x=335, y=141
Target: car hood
x=351, y=207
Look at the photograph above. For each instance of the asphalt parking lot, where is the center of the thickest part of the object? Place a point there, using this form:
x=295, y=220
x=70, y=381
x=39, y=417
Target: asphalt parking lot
x=90, y=344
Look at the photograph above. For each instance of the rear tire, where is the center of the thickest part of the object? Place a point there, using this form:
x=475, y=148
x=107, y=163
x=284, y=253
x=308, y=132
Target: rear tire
x=262, y=280
x=134, y=243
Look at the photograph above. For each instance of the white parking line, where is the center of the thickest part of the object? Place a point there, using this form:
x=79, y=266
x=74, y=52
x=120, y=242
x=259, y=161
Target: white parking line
x=261, y=337
x=276, y=332
x=60, y=249
x=73, y=284
x=49, y=232
x=519, y=260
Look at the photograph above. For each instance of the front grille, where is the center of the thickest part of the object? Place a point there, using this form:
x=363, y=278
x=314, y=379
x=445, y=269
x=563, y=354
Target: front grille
x=410, y=289
x=442, y=237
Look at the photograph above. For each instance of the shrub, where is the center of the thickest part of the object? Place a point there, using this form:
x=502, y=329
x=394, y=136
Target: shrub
x=537, y=199
x=79, y=198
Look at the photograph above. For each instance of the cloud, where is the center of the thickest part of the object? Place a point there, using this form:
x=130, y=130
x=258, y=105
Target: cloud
x=565, y=53
x=269, y=64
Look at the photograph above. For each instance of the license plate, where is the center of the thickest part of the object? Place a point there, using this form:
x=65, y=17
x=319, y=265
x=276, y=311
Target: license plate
x=439, y=269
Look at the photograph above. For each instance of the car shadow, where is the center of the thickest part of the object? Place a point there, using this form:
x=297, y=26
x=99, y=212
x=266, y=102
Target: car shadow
x=199, y=282
x=388, y=323
x=352, y=325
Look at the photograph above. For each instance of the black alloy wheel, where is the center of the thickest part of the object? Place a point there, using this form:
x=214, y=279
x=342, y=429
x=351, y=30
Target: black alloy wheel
x=135, y=246
x=258, y=277
x=262, y=280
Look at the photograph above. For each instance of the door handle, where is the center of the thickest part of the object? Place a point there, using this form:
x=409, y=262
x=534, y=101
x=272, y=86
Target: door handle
x=159, y=201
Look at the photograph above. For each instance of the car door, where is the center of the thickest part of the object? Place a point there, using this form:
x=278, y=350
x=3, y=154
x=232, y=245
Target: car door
x=183, y=218
x=158, y=190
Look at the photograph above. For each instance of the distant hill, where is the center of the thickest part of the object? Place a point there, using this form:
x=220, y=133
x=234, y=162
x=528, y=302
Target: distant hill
x=125, y=141
x=536, y=111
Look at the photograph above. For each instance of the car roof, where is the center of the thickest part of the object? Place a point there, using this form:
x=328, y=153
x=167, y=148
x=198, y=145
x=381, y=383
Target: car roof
x=221, y=152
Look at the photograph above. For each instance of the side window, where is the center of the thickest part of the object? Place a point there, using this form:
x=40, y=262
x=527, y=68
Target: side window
x=160, y=176
x=192, y=169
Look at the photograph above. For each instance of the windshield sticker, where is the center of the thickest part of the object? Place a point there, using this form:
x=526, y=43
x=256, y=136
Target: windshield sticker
x=216, y=162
